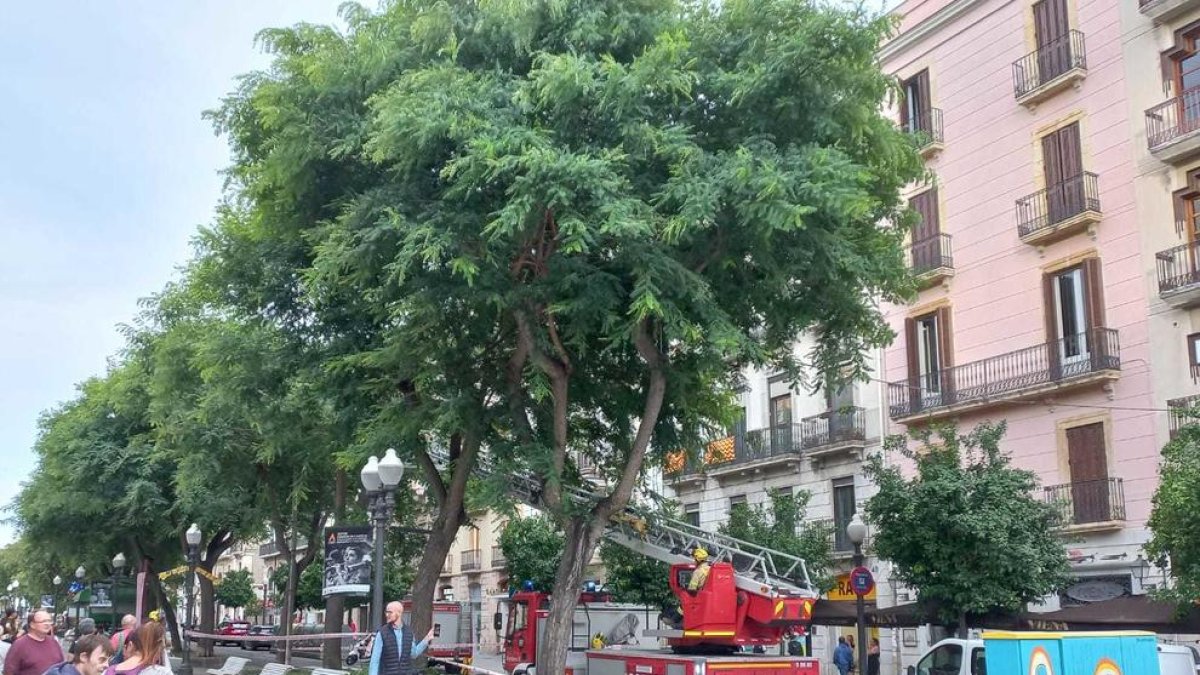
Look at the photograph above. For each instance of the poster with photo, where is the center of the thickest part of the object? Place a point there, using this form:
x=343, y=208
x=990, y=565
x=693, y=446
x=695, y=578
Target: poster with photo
x=101, y=595
x=347, y=561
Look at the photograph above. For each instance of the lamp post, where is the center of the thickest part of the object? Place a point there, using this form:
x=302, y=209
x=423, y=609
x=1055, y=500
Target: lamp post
x=57, y=581
x=857, y=532
x=193, y=558
x=16, y=589
x=80, y=573
x=380, y=478
x=118, y=564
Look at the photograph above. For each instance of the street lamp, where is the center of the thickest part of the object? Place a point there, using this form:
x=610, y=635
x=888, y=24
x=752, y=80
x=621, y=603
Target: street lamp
x=16, y=586
x=193, y=558
x=80, y=572
x=118, y=564
x=380, y=478
x=857, y=532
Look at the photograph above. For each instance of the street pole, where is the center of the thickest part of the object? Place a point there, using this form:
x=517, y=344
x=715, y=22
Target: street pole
x=857, y=533
x=193, y=559
x=380, y=478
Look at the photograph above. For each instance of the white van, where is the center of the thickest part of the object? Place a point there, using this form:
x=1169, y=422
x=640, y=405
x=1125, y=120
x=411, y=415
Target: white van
x=966, y=657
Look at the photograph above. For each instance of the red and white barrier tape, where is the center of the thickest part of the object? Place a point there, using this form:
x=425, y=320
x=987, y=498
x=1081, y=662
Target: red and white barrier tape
x=467, y=668
x=309, y=636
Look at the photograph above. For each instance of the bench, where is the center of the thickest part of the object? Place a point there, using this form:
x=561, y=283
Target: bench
x=234, y=665
x=329, y=671
x=275, y=669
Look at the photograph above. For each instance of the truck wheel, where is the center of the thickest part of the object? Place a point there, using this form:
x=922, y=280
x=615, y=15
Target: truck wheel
x=452, y=670
x=351, y=659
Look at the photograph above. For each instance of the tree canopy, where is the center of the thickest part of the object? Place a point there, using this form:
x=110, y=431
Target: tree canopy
x=1175, y=519
x=782, y=526
x=966, y=530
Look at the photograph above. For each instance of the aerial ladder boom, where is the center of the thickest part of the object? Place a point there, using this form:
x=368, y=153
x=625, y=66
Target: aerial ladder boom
x=768, y=587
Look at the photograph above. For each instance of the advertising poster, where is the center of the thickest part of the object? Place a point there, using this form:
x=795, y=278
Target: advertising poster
x=347, y=561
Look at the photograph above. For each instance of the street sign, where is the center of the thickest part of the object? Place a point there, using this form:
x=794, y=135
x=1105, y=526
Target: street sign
x=861, y=581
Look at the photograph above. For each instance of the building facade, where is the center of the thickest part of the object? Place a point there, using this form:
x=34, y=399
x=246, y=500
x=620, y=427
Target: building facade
x=1036, y=261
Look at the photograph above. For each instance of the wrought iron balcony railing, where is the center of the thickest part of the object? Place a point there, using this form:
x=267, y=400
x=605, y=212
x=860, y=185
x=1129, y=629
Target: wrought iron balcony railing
x=931, y=253
x=1173, y=119
x=1056, y=204
x=925, y=129
x=498, y=559
x=1006, y=375
x=472, y=560
x=1180, y=413
x=844, y=425
x=1053, y=60
x=835, y=426
x=1179, y=267
x=1086, y=502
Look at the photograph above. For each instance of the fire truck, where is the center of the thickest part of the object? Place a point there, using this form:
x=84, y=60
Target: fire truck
x=453, y=636
x=753, y=597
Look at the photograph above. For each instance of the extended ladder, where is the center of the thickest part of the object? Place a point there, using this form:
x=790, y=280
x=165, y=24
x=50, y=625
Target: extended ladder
x=758, y=569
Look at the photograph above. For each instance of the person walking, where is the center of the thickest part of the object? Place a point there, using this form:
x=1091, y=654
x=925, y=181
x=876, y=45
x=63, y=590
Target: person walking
x=873, y=657
x=86, y=627
x=36, y=651
x=145, y=653
x=90, y=658
x=843, y=656
x=8, y=626
x=395, y=647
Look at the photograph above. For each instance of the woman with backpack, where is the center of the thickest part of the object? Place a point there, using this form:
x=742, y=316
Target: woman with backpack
x=146, y=653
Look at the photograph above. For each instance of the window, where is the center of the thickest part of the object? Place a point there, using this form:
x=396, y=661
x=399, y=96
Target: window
x=1087, y=457
x=978, y=661
x=1052, y=33
x=929, y=358
x=945, y=660
x=1185, y=76
x=843, y=511
x=926, y=249
x=1194, y=355
x=1074, y=309
x=738, y=502
x=1062, y=167
x=781, y=410
x=781, y=425
x=914, y=109
x=691, y=514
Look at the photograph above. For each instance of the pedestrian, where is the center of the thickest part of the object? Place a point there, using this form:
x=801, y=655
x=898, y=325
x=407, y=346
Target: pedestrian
x=843, y=656
x=395, y=647
x=853, y=653
x=8, y=626
x=91, y=657
x=34, y=652
x=873, y=657
x=145, y=653
x=129, y=624
x=86, y=627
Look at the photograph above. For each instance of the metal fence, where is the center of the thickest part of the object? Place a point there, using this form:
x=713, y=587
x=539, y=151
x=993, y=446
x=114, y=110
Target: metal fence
x=1093, y=501
x=1048, y=207
x=931, y=253
x=1055, y=58
x=1178, y=267
x=926, y=128
x=1172, y=119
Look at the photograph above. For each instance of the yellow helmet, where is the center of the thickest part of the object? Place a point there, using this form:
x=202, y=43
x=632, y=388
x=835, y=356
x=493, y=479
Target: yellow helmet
x=700, y=555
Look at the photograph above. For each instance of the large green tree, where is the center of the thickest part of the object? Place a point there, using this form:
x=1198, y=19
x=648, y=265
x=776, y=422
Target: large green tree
x=532, y=547
x=566, y=225
x=966, y=530
x=1175, y=519
x=782, y=526
x=236, y=589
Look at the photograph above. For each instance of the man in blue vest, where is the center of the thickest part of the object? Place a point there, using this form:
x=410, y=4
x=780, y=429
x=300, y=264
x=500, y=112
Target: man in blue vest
x=394, y=648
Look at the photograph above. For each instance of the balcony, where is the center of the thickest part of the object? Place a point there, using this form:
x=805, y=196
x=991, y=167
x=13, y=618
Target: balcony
x=926, y=132
x=1091, y=506
x=271, y=548
x=818, y=437
x=1077, y=361
x=498, y=559
x=1160, y=11
x=472, y=560
x=1180, y=413
x=1059, y=211
x=1059, y=64
x=1173, y=127
x=931, y=260
x=834, y=432
x=1179, y=275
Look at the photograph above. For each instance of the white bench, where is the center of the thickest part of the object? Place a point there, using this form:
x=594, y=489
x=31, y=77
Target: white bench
x=234, y=665
x=276, y=669
x=329, y=671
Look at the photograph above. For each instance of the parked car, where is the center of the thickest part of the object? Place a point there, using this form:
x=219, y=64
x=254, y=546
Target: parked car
x=232, y=629
x=256, y=644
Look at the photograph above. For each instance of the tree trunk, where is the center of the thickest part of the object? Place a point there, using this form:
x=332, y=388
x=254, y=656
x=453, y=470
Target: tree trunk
x=208, y=609
x=962, y=625
x=172, y=621
x=582, y=536
x=335, y=605
x=289, y=607
x=425, y=585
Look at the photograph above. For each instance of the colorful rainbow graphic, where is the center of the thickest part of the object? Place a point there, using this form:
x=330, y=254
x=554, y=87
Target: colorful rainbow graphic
x=1039, y=662
x=1107, y=667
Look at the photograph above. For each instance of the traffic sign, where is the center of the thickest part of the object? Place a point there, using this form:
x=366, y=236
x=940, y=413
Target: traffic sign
x=861, y=581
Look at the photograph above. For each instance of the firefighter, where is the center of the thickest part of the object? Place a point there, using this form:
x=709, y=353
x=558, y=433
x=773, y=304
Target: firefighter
x=700, y=574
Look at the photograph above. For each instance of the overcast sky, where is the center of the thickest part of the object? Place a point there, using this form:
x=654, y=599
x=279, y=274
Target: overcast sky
x=106, y=170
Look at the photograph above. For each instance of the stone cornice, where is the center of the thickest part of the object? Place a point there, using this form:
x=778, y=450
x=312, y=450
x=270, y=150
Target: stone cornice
x=926, y=28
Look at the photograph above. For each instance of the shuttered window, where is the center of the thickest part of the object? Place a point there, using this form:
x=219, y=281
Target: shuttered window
x=930, y=357
x=1087, y=458
x=1074, y=304
x=1062, y=162
x=914, y=109
x=1052, y=32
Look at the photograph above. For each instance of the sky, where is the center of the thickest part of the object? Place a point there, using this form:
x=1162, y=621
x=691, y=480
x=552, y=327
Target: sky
x=106, y=171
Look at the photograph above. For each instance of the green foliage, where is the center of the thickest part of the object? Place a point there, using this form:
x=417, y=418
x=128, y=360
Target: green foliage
x=532, y=548
x=783, y=527
x=966, y=531
x=1175, y=519
x=633, y=577
x=236, y=589
x=308, y=586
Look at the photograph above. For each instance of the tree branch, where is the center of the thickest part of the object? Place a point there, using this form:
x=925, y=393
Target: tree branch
x=559, y=381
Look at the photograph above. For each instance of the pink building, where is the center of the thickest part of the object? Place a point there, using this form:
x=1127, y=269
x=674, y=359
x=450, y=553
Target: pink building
x=1035, y=301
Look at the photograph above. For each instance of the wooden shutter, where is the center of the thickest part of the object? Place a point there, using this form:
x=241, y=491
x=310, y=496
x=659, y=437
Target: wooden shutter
x=1053, y=360
x=1062, y=161
x=1093, y=293
x=914, y=364
x=1049, y=21
x=1087, y=459
x=926, y=251
x=916, y=96
x=946, y=355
